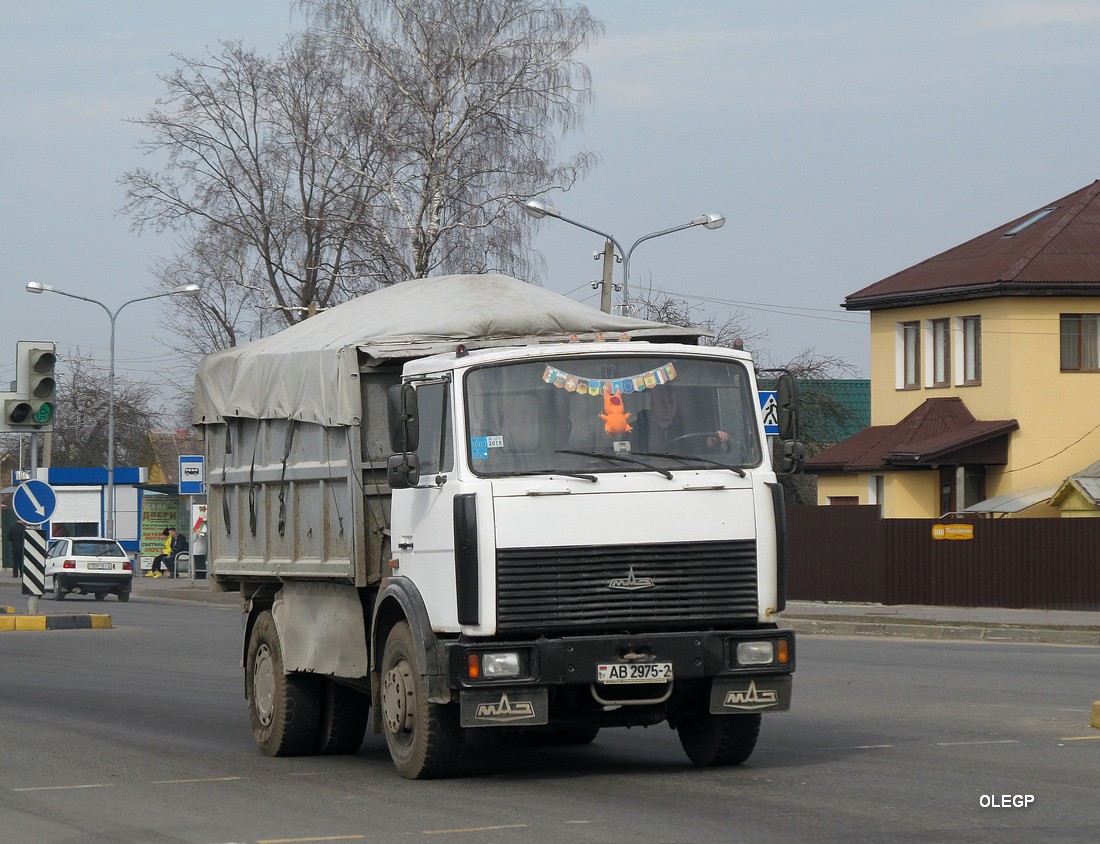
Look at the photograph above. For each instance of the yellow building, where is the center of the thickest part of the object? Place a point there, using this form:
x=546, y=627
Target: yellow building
x=985, y=374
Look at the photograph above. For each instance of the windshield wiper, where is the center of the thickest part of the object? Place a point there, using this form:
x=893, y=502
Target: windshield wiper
x=580, y=475
x=691, y=458
x=616, y=458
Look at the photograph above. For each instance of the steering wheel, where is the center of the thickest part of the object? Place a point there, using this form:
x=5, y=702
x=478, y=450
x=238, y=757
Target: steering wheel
x=702, y=436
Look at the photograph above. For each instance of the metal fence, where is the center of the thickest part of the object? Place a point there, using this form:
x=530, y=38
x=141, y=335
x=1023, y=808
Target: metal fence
x=850, y=554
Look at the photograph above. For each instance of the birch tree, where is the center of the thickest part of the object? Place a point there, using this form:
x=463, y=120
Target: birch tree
x=483, y=92
x=392, y=139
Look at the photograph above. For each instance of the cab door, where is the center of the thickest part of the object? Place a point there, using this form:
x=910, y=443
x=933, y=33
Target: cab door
x=423, y=515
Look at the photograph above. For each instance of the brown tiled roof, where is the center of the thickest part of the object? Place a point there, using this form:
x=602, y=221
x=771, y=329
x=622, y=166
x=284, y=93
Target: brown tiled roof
x=940, y=430
x=167, y=446
x=1057, y=254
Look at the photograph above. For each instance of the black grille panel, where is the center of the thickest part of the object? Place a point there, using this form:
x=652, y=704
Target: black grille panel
x=564, y=589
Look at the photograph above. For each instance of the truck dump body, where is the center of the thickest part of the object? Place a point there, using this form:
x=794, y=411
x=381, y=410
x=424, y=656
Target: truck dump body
x=464, y=502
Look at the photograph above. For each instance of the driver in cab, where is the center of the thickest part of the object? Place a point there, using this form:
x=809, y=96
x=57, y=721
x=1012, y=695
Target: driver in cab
x=664, y=428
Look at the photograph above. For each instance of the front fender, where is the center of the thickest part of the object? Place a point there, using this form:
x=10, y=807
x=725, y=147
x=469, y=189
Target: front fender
x=398, y=600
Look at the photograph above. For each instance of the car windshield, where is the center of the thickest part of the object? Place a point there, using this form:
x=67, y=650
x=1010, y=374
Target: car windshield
x=97, y=548
x=611, y=413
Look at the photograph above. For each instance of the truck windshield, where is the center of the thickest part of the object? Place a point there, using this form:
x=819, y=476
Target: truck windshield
x=570, y=414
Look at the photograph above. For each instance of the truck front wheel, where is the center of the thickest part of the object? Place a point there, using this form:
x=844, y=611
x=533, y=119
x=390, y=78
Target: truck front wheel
x=284, y=710
x=719, y=739
x=424, y=738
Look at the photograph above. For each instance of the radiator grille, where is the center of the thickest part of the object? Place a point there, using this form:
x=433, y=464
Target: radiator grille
x=565, y=589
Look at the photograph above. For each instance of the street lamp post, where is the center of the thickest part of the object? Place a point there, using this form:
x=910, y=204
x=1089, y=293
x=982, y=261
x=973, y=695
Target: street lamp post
x=538, y=210
x=183, y=289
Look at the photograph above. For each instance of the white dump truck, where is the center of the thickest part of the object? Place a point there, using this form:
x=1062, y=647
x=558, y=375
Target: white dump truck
x=464, y=502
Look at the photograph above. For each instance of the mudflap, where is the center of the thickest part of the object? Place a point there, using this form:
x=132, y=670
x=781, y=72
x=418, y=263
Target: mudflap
x=741, y=695
x=504, y=708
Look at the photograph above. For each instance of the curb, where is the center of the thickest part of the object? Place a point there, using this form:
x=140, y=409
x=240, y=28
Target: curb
x=90, y=621
x=944, y=631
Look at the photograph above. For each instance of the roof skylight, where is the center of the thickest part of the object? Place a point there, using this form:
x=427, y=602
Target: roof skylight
x=1034, y=218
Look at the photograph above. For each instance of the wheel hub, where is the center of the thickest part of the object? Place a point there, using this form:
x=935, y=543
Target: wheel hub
x=397, y=698
x=263, y=685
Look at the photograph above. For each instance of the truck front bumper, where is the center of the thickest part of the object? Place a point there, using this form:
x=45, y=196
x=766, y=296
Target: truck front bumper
x=736, y=680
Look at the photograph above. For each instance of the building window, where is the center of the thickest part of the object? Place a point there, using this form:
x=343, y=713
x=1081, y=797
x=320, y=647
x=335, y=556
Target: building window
x=844, y=500
x=909, y=357
x=1080, y=349
x=960, y=487
x=970, y=366
x=941, y=353
x=973, y=485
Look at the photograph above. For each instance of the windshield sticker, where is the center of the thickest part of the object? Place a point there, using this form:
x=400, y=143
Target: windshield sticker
x=479, y=446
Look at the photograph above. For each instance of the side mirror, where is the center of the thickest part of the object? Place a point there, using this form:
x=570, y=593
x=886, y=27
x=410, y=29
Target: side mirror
x=787, y=399
x=402, y=471
x=404, y=425
x=792, y=457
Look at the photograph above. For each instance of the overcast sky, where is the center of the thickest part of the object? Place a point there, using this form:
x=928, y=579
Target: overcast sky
x=844, y=141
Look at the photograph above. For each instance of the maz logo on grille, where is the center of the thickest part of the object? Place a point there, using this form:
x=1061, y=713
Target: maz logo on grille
x=630, y=583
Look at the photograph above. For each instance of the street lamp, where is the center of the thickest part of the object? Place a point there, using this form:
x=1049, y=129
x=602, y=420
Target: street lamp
x=538, y=210
x=183, y=289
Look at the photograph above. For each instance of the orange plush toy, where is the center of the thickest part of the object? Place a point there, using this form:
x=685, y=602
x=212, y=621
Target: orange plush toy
x=614, y=416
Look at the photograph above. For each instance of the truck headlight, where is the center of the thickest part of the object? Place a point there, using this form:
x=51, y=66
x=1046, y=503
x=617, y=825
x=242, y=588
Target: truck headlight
x=755, y=653
x=494, y=665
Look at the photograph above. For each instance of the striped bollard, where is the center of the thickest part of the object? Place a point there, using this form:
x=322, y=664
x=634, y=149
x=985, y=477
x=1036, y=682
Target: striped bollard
x=34, y=566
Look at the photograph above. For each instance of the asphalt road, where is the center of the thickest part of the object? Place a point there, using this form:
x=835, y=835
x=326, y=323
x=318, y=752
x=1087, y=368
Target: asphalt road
x=139, y=734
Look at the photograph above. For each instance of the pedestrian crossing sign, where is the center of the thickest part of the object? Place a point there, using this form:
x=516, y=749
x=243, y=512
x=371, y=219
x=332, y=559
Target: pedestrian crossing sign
x=769, y=407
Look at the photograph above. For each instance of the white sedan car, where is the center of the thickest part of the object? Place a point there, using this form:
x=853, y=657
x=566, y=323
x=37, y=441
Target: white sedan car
x=88, y=566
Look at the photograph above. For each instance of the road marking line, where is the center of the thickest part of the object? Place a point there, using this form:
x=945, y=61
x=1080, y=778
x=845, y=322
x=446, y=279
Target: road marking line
x=473, y=829
x=206, y=779
x=967, y=743
x=859, y=747
x=1079, y=738
x=65, y=787
x=301, y=840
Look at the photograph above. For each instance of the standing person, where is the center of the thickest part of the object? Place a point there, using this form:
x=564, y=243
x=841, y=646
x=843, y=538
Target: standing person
x=17, y=535
x=198, y=555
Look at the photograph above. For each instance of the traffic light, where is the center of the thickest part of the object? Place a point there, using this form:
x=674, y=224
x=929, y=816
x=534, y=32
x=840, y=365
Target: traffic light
x=31, y=406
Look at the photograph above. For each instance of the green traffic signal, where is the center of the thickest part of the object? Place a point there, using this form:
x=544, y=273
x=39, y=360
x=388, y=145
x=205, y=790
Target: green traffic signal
x=44, y=413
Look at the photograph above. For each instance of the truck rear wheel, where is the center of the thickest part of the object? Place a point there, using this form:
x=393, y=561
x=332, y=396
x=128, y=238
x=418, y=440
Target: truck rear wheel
x=344, y=716
x=284, y=710
x=424, y=738
x=719, y=739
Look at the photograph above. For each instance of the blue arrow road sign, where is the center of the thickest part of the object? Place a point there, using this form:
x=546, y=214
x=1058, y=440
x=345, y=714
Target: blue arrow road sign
x=34, y=501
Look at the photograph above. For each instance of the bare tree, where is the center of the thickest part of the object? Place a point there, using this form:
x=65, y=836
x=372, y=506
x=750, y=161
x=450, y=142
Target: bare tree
x=654, y=305
x=247, y=185
x=484, y=90
x=389, y=141
x=235, y=305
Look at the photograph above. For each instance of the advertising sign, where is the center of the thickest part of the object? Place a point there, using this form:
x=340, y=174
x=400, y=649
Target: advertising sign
x=157, y=513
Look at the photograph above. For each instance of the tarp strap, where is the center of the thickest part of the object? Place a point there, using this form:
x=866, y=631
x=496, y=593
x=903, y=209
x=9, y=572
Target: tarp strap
x=225, y=472
x=251, y=482
x=288, y=445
